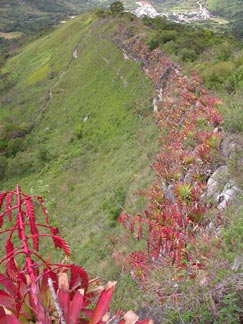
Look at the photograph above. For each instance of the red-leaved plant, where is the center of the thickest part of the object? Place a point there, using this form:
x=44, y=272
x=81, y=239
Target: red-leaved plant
x=35, y=290
x=186, y=116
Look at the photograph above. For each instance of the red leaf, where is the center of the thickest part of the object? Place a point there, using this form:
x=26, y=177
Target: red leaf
x=103, y=302
x=62, y=244
x=64, y=301
x=9, y=247
x=9, y=319
x=43, y=208
x=30, y=213
x=12, y=270
x=2, y=196
x=2, y=312
x=8, y=205
x=8, y=285
x=87, y=312
x=75, y=307
x=78, y=278
x=6, y=300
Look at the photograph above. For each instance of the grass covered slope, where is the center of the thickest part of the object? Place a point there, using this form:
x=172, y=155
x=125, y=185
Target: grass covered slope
x=86, y=141
x=230, y=10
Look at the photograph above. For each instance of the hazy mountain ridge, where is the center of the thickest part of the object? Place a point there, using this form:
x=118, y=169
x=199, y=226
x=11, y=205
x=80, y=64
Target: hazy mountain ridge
x=31, y=15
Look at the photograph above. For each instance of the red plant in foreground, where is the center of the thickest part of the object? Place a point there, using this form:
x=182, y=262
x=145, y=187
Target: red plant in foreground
x=34, y=290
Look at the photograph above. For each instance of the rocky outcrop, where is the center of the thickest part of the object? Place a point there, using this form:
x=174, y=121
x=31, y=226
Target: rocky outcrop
x=221, y=189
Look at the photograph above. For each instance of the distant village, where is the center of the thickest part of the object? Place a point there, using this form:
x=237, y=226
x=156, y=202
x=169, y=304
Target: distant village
x=145, y=8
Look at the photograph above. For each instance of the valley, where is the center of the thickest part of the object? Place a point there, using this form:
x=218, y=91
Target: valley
x=40, y=16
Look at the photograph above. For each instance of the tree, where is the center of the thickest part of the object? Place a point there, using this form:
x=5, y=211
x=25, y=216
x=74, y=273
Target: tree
x=116, y=7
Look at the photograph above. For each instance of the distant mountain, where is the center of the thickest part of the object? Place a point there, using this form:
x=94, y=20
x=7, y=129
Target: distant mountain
x=231, y=11
x=32, y=15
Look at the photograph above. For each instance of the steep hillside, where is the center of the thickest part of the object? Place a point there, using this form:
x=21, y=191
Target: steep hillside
x=74, y=114
x=81, y=109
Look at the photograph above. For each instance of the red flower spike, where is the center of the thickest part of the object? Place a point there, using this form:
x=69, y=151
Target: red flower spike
x=59, y=242
x=30, y=213
x=2, y=197
x=78, y=278
x=8, y=205
x=43, y=208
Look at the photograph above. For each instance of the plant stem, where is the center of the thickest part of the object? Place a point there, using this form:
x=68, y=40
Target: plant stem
x=23, y=237
x=55, y=299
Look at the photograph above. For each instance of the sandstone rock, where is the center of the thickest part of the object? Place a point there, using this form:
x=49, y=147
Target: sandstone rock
x=216, y=183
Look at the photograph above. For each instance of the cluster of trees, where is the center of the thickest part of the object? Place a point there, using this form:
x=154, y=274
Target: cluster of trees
x=185, y=41
x=218, y=56
x=115, y=8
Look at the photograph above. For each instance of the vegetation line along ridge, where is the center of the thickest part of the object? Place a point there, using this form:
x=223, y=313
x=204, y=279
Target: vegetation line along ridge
x=176, y=206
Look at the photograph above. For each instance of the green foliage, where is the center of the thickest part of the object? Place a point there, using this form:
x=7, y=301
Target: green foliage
x=21, y=164
x=231, y=309
x=186, y=42
x=101, y=13
x=116, y=7
x=188, y=55
x=162, y=38
x=114, y=205
x=14, y=146
x=216, y=74
x=3, y=166
x=232, y=113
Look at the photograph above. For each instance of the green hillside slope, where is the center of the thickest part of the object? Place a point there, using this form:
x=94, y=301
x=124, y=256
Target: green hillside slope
x=230, y=10
x=74, y=129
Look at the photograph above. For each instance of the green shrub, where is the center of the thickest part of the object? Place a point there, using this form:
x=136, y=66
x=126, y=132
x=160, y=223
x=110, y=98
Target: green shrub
x=3, y=166
x=167, y=35
x=188, y=55
x=233, y=113
x=153, y=43
x=216, y=75
x=44, y=154
x=23, y=163
x=116, y=7
x=235, y=80
x=101, y=13
x=114, y=205
x=14, y=146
